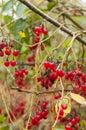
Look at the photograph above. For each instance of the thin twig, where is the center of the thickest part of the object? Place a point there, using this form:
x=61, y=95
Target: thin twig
x=72, y=20
x=51, y=20
x=38, y=93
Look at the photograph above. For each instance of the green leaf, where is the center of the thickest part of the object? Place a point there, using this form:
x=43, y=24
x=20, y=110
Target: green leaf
x=31, y=72
x=4, y=128
x=67, y=42
x=24, y=49
x=2, y=118
x=52, y=4
x=7, y=6
x=20, y=9
x=79, y=19
x=7, y=19
x=18, y=26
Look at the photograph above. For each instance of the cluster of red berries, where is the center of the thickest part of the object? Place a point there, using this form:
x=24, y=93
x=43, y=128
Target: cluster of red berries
x=18, y=110
x=62, y=108
x=12, y=63
x=8, y=50
x=41, y=113
x=79, y=80
x=71, y=122
x=19, y=76
x=39, y=30
x=52, y=73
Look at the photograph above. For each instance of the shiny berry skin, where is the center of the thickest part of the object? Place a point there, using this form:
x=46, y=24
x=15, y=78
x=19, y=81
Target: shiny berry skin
x=73, y=121
x=6, y=63
x=83, y=87
x=77, y=119
x=1, y=53
x=64, y=106
x=16, y=52
x=61, y=112
x=44, y=104
x=52, y=66
x=49, y=83
x=3, y=44
x=45, y=31
x=68, y=127
x=37, y=29
x=60, y=72
x=13, y=63
x=7, y=51
x=29, y=126
x=46, y=64
x=57, y=95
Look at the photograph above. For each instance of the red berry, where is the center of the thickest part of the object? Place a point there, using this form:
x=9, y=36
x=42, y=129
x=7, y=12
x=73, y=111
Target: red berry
x=64, y=106
x=57, y=95
x=73, y=121
x=77, y=119
x=3, y=44
x=68, y=127
x=45, y=31
x=49, y=83
x=6, y=63
x=38, y=117
x=44, y=105
x=13, y=63
x=53, y=75
x=37, y=29
x=83, y=87
x=21, y=103
x=61, y=112
x=46, y=64
x=16, y=52
x=31, y=58
x=52, y=66
x=60, y=72
x=39, y=79
x=7, y=51
x=29, y=126
x=1, y=53
x=16, y=73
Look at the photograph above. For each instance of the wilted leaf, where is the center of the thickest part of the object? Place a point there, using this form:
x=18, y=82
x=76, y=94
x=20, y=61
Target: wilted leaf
x=78, y=98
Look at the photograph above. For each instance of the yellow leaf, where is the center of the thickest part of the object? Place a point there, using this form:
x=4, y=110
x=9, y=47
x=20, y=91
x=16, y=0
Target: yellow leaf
x=78, y=98
x=66, y=100
x=22, y=34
